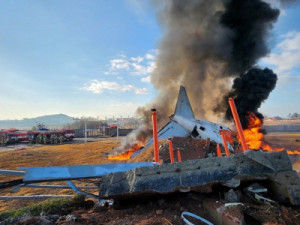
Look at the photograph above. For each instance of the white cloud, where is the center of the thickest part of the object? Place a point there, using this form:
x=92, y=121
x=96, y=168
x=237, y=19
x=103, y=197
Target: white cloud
x=151, y=67
x=110, y=73
x=141, y=91
x=288, y=56
x=119, y=64
x=146, y=79
x=150, y=56
x=138, y=68
x=289, y=34
x=99, y=87
x=287, y=79
x=137, y=59
x=139, y=65
x=124, y=108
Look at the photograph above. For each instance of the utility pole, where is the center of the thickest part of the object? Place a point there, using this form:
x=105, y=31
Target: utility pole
x=117, y=130
x=85, y=131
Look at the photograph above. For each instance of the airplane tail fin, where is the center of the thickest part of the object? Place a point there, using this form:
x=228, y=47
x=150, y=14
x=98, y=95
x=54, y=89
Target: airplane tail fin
x=183, y=106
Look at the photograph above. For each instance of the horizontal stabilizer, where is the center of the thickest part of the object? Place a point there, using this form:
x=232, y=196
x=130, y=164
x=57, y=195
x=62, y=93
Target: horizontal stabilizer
x=171, y=129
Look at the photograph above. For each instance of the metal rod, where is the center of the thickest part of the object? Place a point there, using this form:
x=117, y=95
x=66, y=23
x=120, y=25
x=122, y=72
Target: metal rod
x=12, y=172
x=57, y=186
x=30, y=197
x=117, y=130
x=171, y=150
x=225, y=144
x=74, y=188
x=178, y=156
x=219, y=154
x=155, y=138
x=238, y=124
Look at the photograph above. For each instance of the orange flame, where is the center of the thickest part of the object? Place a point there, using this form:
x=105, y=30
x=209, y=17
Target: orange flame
x=126, y=155
x=255, y=138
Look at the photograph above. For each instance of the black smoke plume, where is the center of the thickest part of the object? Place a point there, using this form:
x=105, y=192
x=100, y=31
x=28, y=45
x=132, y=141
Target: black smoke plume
x=250, y=22
x=249, y=91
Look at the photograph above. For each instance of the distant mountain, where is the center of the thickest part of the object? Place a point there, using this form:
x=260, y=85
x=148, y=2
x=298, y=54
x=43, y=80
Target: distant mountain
x=50, y=121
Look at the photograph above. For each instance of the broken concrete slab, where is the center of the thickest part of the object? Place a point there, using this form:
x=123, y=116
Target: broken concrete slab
x=195, y=174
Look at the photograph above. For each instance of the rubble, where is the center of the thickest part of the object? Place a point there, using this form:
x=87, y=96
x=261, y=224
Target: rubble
x=267, y=174
x=274, y=168
x=222, y=214
x=232, y=196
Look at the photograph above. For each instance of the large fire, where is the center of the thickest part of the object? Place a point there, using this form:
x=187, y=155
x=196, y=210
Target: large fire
x=126, y=155
x=255, y=137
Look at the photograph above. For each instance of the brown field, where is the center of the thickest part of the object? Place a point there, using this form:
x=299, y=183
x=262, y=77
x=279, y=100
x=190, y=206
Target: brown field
x=86, y=153
x=56, y=155
x=286, y=140
x=281, y=122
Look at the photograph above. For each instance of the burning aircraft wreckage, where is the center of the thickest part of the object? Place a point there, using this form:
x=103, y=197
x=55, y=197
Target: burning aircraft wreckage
x=205, y=45
x=236, y=165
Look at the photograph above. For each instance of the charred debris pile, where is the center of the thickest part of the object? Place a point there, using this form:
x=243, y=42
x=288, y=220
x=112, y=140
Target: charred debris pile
x=209, y=159
x=233, y=189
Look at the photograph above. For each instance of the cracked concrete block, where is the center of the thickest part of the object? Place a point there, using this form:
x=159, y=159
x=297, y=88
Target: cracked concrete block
x=274, y=167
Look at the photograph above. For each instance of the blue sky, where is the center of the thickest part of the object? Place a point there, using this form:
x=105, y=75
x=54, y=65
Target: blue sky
x=94, y=58
x=284, y=59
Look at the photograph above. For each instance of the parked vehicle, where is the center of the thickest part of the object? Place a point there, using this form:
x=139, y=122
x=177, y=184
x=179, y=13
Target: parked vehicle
x=42, y=136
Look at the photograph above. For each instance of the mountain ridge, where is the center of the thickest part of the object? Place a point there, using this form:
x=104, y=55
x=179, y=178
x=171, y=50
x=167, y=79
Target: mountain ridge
x=50, y=121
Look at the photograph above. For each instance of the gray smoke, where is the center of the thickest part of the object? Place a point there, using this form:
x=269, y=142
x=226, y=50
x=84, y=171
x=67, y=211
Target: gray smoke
x=192, y=53
x=205, y=45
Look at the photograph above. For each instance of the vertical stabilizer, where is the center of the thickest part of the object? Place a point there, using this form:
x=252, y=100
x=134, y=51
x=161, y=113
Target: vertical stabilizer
x=183, y=106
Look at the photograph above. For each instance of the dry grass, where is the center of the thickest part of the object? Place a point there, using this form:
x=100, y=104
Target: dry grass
x=286, y=140
x=290, y=141
x=281, y=122
x=51, y=155
x=147, y=155
x=58, y=155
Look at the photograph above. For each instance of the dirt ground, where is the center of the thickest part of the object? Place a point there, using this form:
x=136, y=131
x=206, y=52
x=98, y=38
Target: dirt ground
x=290, y=141
x=280, y=122
x=160, y=211
x=50, y=155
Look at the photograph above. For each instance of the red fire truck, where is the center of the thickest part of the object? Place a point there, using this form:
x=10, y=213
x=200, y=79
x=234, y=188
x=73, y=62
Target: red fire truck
x=42, y=136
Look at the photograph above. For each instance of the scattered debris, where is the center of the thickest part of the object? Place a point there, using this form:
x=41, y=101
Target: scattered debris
x=194, y=216
x=257, y=188
x=232, y=196
x=233, y=204
x=71, y=218
x=254, y=172
x=204, y=174
x=263, y=199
